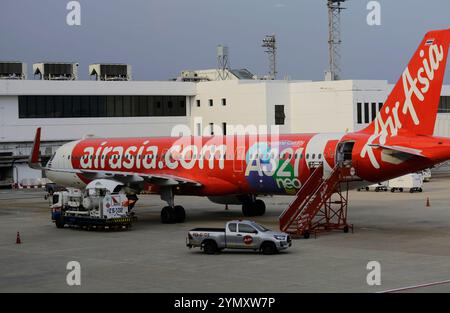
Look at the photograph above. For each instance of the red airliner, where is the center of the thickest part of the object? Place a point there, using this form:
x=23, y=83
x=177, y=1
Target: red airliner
x=237, y=169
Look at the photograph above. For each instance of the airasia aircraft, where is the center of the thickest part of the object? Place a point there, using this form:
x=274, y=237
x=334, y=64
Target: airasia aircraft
x=238, y=169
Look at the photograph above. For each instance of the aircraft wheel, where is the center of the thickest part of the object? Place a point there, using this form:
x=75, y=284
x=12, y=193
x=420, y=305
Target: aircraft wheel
x=259, y=207
x=248, y=209
x=179, y=214
x=167, y=215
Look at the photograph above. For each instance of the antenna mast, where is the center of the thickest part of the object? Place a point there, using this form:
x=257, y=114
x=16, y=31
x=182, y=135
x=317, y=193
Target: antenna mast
x=222, y=62
x=334, y=39
x=271, y=49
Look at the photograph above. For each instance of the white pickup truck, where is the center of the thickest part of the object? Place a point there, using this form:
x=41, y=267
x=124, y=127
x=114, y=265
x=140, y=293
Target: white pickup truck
x=238, y=234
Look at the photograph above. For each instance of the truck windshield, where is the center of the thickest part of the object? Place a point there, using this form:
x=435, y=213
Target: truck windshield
x=260, y=227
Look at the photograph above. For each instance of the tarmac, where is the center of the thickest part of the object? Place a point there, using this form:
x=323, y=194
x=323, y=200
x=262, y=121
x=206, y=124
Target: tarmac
x=410, y=242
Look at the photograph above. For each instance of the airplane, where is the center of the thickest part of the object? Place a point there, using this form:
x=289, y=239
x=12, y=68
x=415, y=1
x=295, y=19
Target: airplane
x=237, y=169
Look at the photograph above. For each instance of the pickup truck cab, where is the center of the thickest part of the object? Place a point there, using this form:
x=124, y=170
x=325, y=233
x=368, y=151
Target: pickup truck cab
x=238, y=234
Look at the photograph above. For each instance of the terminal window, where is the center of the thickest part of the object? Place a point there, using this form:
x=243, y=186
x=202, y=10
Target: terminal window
x=374, y=110
x=444, y=104
x=279, y=114
x=100, y=106
x=359, y=112
x=366, y=112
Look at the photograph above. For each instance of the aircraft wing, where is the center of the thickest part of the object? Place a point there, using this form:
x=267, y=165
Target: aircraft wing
x=130, y=177
x=401, y=149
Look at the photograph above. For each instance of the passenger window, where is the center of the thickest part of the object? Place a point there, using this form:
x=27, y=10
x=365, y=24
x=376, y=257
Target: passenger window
x=313, y=156
x=320, y=156
x=232, y=227
x=244, y=228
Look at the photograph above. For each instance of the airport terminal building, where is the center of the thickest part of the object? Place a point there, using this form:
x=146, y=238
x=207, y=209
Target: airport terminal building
x=70, y=109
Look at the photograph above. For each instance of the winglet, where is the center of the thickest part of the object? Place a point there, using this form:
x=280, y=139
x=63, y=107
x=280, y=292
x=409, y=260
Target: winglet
x=33, y=160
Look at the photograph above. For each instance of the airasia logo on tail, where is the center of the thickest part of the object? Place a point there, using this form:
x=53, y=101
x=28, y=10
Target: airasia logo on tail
x=418, y=86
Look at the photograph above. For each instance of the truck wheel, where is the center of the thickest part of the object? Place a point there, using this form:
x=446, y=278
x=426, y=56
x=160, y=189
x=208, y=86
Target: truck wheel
x=59, y=222
x=167, y=215
x=260, y=207
x=268, y=248
x=306, y=235
x=210, y=247
x=346, y=228
x=179, y=214
x=401, y=189
x=392, y=190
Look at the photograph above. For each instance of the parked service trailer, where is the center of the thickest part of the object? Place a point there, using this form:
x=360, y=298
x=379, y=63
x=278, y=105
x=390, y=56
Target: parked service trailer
x=413, y=182
x=426, y=174
x=382, y=186
x=98, y=206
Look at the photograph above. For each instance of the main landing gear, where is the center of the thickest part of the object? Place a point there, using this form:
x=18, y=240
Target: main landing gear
x=253, y=207
x=171, y=213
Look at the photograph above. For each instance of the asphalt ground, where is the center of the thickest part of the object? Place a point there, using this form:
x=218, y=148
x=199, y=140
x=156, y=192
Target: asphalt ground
x=410, y=241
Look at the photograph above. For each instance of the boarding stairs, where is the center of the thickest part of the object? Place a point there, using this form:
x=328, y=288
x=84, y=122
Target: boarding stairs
x=320, y=204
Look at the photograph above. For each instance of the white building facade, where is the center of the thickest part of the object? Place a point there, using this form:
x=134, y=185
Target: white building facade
x=70, y=110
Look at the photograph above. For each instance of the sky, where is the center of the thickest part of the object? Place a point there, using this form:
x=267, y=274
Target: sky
x=160, y=38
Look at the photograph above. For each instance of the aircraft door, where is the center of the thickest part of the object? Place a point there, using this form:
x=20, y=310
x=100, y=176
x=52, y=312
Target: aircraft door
x=344, y=153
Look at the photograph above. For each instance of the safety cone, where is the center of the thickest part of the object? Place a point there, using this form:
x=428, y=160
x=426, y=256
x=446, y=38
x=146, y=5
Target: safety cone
x=18, y=241
x=428, y=202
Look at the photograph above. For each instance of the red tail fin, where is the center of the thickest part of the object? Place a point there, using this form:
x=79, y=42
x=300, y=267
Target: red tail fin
x=413, y=103
x=33, y=160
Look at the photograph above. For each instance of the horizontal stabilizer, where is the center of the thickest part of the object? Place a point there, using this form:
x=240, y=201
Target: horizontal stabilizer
x=400, y=149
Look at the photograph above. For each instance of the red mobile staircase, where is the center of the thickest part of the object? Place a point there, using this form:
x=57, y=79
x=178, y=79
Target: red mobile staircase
x=313, y=208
